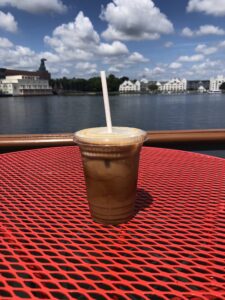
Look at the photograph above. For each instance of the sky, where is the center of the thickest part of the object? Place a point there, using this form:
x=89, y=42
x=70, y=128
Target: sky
x=152, y=39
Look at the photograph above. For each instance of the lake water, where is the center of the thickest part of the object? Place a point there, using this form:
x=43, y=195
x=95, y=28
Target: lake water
x=55, y=114
x=52, y=114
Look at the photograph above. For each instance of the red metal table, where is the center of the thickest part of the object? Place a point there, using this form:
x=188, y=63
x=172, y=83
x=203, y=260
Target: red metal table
x=172, y=249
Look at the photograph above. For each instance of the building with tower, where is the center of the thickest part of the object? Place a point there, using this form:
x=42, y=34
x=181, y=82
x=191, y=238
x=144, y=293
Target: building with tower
x=25, y=83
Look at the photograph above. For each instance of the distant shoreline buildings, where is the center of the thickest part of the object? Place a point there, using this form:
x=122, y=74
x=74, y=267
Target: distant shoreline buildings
x=28, y=83
x=129, y=86
x=215, y=83
x=174, y=85
x=25, y=83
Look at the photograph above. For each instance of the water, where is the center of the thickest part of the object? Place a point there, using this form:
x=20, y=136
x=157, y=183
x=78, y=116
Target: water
x=58, y=114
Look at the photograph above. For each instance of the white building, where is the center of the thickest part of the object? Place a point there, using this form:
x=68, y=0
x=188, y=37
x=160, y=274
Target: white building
x=201, y=89
x=174, y=85
x=128, y=86
x=159, y=85
x=215, y=83
x=21, y=85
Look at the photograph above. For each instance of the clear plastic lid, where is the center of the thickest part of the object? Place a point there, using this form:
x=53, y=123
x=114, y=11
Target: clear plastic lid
x=118, y=136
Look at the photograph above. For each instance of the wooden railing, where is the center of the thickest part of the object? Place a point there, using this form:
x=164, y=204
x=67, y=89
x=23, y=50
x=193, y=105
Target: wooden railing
x=178, y=139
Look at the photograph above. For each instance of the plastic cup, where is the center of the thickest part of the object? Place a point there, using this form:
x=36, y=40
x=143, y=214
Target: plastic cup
x=110, y=162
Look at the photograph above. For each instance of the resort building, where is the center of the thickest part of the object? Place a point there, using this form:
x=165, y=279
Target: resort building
x=128, y=86
x=215, y=84
x=42, y=72
x=23, y=85
x=201, y=89
x=144, y=85
x=194, y=85
x=174, y=85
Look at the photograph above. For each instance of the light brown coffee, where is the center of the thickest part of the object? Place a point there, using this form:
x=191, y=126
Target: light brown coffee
x=110, y=164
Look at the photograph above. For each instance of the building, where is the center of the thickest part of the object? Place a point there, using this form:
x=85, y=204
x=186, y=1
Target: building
x=193, y=85
x=174, y=85
x=41, y=72
x=128, y=86
x=21, y=83
x=201, y=89
x=215, y=84
x=144, y=85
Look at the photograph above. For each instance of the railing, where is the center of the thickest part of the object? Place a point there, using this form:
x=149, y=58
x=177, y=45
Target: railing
x=177, y=139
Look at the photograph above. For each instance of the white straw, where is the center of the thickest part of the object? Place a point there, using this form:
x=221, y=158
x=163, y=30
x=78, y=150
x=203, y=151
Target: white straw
x=106, y=101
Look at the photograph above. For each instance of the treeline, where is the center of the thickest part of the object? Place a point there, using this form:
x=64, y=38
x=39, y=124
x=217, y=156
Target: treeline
x=222, y=87
x=86, y=85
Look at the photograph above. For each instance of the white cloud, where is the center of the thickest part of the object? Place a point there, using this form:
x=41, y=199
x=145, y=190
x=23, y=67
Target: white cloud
x=51, y=57
x=222, y=44
x=187, y=32
x=175, y=65
x=203, y=30
x=207, y=68
x=65, y=71
x=113, y=49
x=210, y=7
x=7, y=22
x=192, y=58
x=153, y=74
x=209, y=29
x=78, y=33
x=134, y=20
x=189, y=74
x=36, y=6
x=75, y=40
x=59, y=64
x=125, y=61
x=78, y=42
x=113, y=69
x=202, y=48
x=19, y=57
x=5, y=43
x=118, y=67
x=168, y=44
x=136, y=57
x=87, y=67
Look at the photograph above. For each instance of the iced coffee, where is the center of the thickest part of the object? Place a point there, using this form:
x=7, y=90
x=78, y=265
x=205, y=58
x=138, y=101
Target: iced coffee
x=110, y=162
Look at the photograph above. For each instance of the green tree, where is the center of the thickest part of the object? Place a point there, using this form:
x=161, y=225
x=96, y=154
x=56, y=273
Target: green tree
x=65, y=83
x=86, y=85
x=94, y=84
x=113, y=83
x=80, y=85
x=222, y=87
x=122, y=79
x=153, y=87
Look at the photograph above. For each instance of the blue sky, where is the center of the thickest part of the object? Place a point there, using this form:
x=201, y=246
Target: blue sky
x=155, y=39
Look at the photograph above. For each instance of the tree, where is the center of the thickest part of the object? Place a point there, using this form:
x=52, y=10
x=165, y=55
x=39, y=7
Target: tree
x=113, y=83
x=80, y=85
x=222, y=87
x=94, y=84
x=86, y=85
x=65, y=83
x=122, y=79
x=153, y=87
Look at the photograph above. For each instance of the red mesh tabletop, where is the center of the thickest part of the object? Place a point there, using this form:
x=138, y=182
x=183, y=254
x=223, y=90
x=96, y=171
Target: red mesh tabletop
x=172, y=249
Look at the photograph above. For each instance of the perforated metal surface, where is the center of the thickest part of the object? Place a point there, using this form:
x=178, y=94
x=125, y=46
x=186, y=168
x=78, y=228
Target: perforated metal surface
x=172, y=249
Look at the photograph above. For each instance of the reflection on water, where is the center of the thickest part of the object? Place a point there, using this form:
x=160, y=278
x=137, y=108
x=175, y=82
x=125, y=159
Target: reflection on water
x=52, y=114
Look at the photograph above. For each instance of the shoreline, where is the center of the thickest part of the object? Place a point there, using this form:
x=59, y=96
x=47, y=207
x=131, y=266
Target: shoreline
x=71, y=93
